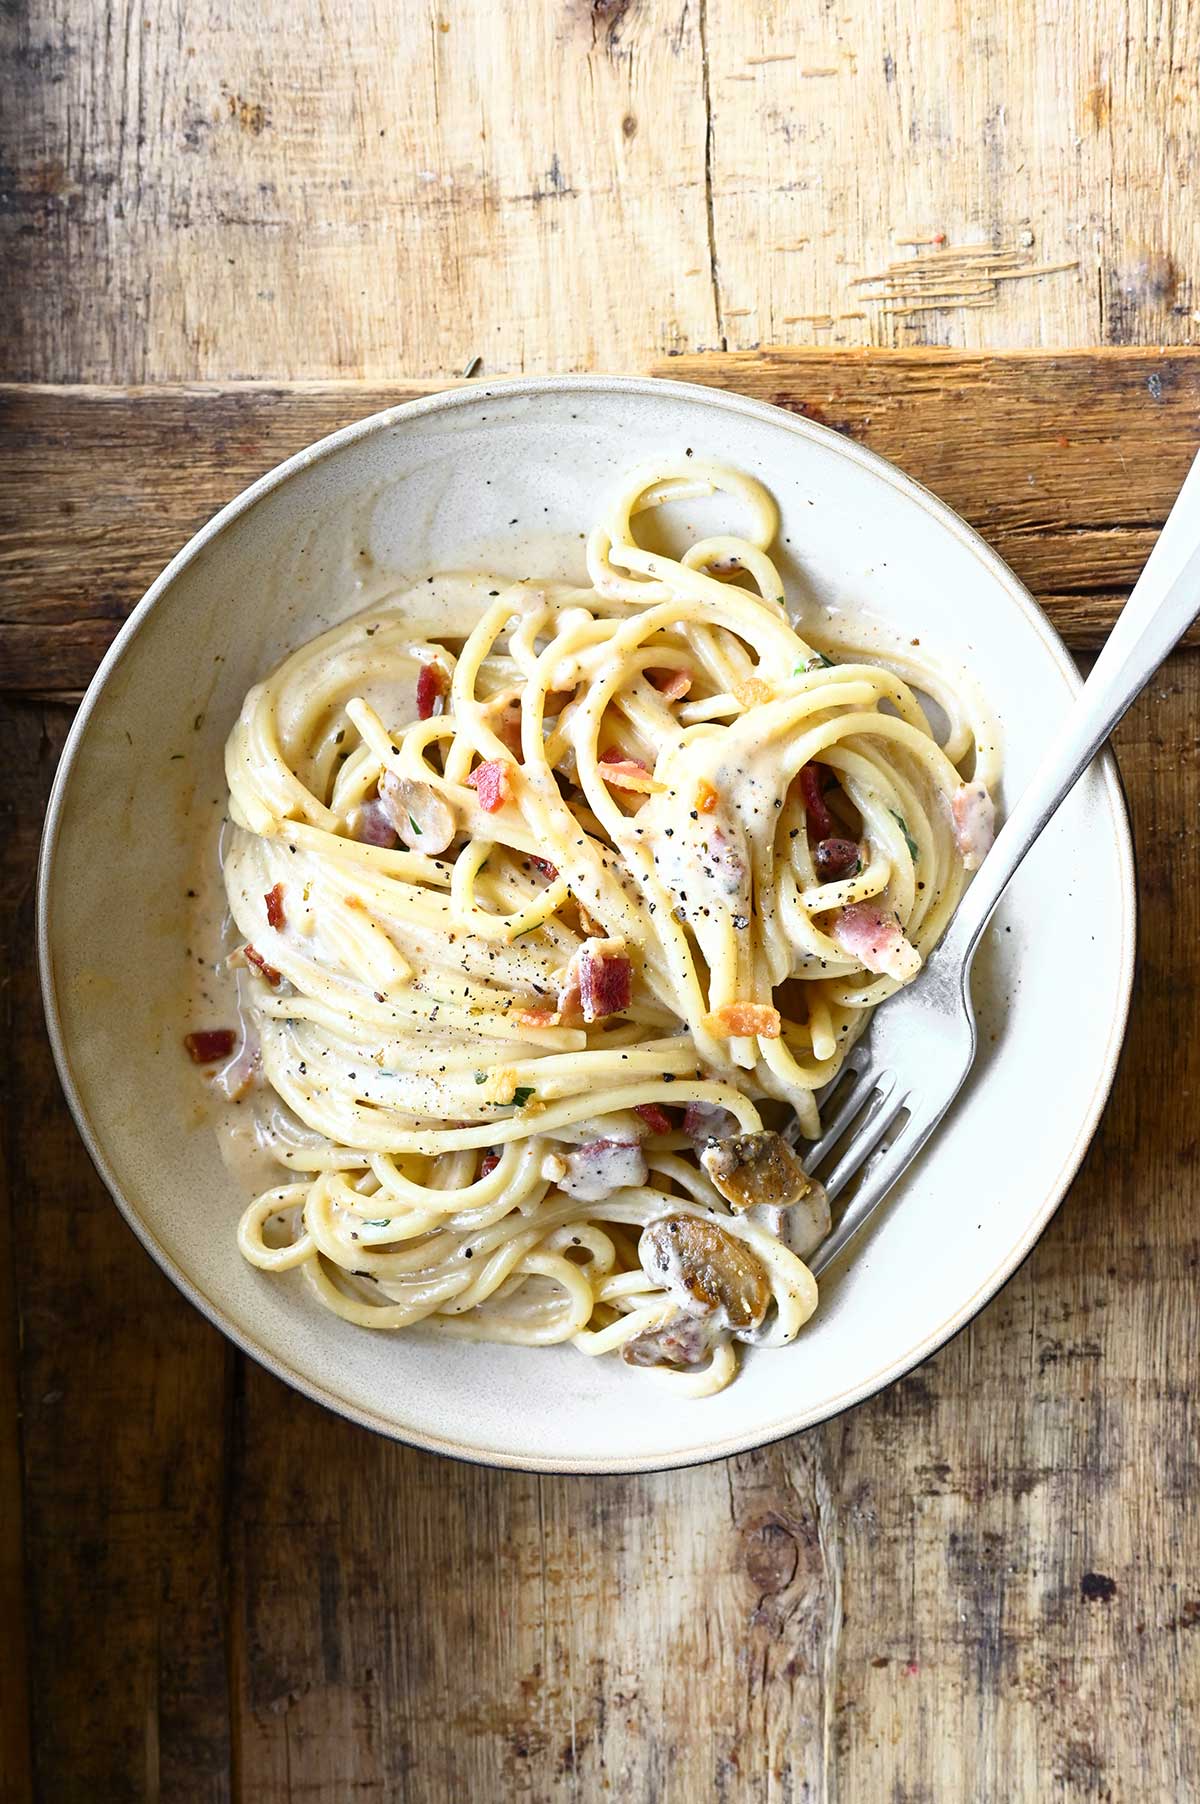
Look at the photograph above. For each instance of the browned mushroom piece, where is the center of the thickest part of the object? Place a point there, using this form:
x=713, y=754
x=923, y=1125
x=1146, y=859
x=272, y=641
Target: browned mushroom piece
x=756, y=1168
x=681, y=1342
x=705, y=1269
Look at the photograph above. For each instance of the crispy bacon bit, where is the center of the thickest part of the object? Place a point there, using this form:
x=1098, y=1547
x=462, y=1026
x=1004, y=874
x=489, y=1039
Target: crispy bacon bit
x=753, y=692
x=706, y=797
x=488, y=1164
x=596, y=1170
x=874, y=938
x=492, y=782
x=756, y=1168
x=974, y=816
x=547, y=869
x=837, y=858
x=210, y=1044
x=274, y=902
x=708, y=1121
x=681, y=1342
x=620, y=772
x=672, y=685
x=259, y=962
x=727, y=862
x=704, y=1268
x=656, y=1118
x=508, y=727
x=817, y=815
x=738, y=1019
x=605, y=982
x=431, y=690
x=535, y=1017
x=423, y=820
x=371, y=825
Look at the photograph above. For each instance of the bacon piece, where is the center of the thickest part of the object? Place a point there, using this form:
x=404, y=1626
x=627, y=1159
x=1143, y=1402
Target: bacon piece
x=210, y=1044
x=535, y=1017
x=681, y=1342
x=556, y=700
x=547, y=869
x=876, y=940
x=706, y=797
x=655, y=1117
x=837, y=858
x=488, y=1164
x=371, y=825
x=974, y=815
x=605, y=983
x=596, y=1170
x=726, y=861
x=749, y=1169
x=620, y=772
x=431, y=690
x=708, y=1121
x=816, y=813
x=508, y=727
x=274, y=902
x=739, y=1019
x=672, y=685
x=753, y=692
x=423, y=820
x=492, y=782
x=256, y=958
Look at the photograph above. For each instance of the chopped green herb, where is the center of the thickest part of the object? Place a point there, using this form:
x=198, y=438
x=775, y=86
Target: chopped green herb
x=481, y=1077
x=909, y=841
x=384, y=1221
x=414, y=826
x=520, y=1097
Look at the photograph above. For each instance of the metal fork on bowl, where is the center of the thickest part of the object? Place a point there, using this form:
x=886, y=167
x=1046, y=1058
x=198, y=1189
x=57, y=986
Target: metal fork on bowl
x=907, y=1068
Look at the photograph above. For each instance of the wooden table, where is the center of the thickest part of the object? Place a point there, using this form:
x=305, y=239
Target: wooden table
x=984, y=1584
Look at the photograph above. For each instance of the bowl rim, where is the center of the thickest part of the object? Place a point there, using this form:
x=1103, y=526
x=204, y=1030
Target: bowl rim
x=466, y=396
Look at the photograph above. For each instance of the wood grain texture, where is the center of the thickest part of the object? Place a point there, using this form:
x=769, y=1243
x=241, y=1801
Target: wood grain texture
x=303, y=191
x=1067, y=464
x=123, y=1416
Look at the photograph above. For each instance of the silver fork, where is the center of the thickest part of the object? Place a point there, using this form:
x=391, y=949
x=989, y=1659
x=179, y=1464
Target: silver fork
x=920, y=1045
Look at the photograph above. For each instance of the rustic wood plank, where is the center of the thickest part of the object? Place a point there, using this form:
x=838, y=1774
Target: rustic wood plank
x=569, y=184
x=305, y=191
x=16, y=1753
x=124, y=1392
x=845, y=139
x=1066, y=463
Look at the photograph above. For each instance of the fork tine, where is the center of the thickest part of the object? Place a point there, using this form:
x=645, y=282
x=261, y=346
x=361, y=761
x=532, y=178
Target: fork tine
x=876, y=1184
x=852, y=1101
x=864, y=1142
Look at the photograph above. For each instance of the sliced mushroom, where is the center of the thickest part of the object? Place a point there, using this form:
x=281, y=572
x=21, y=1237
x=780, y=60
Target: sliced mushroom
x=756, y=1168
x=803, y=1226
x=682, y=1341
x=705, y=1269
x=423, y=820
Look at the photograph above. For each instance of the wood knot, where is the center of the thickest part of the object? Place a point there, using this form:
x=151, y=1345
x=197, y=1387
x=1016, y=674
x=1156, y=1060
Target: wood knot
x=772, y=1554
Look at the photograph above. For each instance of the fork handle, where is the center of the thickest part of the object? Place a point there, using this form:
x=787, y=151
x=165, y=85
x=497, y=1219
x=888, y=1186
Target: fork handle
x=1164, y=603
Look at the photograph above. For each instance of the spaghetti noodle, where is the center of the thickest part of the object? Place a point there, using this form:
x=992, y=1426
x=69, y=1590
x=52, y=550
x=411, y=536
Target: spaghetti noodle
x=557, y=904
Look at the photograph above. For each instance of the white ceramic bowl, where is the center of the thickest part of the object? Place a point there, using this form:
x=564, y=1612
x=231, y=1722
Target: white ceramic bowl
x=509, y=477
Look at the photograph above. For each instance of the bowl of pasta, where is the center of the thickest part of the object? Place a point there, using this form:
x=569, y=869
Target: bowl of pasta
x=470, y=869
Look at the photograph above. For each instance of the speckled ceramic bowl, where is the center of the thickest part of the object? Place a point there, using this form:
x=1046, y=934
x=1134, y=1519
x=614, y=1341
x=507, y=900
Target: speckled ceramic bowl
x=508, y=477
